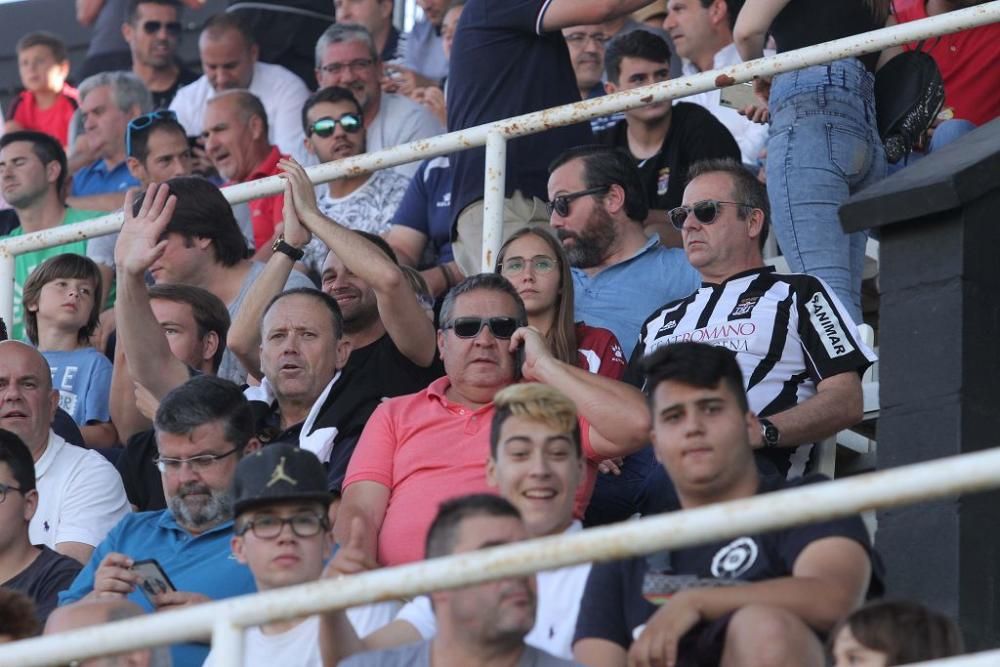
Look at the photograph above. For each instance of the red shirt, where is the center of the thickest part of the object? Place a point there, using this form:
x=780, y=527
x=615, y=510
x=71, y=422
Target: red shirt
x=969, y=62
x=598, y=351
x=425, y=450
x=53, y=121
x=265, y=213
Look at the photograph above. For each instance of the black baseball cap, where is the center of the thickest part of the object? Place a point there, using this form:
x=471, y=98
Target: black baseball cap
x=276, y=473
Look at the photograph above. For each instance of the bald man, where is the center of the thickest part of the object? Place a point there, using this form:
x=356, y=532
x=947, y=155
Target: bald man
x=80, y=493
x=97, y=612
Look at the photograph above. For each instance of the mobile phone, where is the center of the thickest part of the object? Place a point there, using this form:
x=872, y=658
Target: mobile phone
x=153, y=580
x=739, y=96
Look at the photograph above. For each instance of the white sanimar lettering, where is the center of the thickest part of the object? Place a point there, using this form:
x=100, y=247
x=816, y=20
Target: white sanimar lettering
x=824, y=320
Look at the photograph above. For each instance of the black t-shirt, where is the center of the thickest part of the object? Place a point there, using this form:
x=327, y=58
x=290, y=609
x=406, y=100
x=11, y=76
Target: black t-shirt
x=617, y=598
x=43, y=580
x=163, y=98
x=694, y=134
x=8, y=221
x=141, y=479
x=806, y=22
x=501, y=66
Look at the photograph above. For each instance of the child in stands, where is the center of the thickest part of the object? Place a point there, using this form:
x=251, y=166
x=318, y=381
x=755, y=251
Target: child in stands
x=47, y=102
x=61, y=309
x=887, y=633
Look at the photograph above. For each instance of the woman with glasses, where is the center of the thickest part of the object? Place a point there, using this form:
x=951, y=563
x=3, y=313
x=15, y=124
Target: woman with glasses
x=534, y=262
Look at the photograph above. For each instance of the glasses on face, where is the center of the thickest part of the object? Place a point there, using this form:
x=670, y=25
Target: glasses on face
x=580, y=38
x=199, y=463
x=538, y=263
x=268, y=527
x=561, y=203
x=334, y=69
x=143, y=123
x=4, y=488
x=324, y=127
x=152, y=27
x=705, y=212
x=469, y=327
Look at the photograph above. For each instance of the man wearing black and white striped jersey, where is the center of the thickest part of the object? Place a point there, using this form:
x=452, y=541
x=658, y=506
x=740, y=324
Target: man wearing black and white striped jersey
x=797, y=345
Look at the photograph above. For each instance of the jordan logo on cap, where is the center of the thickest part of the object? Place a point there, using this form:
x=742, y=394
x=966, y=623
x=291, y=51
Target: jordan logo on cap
x=279, y=474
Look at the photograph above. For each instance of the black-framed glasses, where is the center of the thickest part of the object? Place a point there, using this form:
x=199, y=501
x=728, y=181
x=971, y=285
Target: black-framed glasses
x=199, y=463
x=173, y=28
x=539, y=263
x=580, y=38
x=706, y=212
x=4, y=488
x=324, y=127
x=469, y=327
x=355, y=66
x=143, y=123
x=561, y=203
x=269, y=526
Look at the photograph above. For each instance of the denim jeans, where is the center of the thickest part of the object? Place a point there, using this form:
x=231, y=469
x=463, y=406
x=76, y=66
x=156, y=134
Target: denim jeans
x=823, y=146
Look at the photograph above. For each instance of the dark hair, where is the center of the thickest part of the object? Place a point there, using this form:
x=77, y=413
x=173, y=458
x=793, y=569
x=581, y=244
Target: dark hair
x=491, y=282
x=733, y=8
x=248, y=105
x=537, y=402
x=608, y=165
x=45, y=148
x=132, y=11
x=46, y=39
x=202, y=400
x=219, y=24
x=140, y=138
x=312, y=293
x=695, y=364
x=746, y=188
x=17, y=615
x=332, y=94
x=202, y=211
x=443, y=533
x=18, y=458
x=905, y=631
x=66, y=265
x=208, y=311
x=641, y=44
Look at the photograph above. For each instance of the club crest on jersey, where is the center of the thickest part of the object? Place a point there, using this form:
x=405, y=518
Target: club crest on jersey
x=667, y=328
x=744, y=307
x=733, y=560
x=663, y=181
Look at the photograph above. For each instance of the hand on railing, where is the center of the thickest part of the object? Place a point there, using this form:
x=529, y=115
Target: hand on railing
x=140, y=243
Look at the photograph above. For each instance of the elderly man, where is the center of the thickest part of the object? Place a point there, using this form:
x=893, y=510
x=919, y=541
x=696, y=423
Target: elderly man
x=586, y=52
x=228, y=55
x=203, y=428
x=152, y=31
x=346, y=56
x=80, y=495
x=422, y=449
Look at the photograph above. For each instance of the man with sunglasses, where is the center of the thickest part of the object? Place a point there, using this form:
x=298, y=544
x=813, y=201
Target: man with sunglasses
x=419, y=450
x=153, y=33
x=796, y=343
x=203, y=428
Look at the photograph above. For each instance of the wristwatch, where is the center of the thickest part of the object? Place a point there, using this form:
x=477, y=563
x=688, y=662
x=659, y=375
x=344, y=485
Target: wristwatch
x=280, y=246
x=769, y=433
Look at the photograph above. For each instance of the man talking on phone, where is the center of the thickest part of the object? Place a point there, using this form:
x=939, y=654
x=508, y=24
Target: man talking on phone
x=203, y=428
x=419, y=450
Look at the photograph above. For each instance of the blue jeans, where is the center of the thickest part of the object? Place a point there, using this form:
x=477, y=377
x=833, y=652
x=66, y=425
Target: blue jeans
x=823, y=146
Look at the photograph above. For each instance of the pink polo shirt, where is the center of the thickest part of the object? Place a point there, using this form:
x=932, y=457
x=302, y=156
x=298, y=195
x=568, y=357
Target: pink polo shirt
x=426, y=450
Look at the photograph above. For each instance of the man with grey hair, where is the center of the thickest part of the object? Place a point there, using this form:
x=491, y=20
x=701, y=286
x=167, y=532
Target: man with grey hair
x=98, y=612
x=203, y=428
x=228, y=53
x=346, y=57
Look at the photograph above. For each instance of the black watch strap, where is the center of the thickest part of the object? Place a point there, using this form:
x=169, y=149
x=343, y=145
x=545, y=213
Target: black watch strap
x=280, y=246
x=769, y=433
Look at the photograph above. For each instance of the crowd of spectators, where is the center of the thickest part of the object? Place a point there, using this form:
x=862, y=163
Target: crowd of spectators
x=221, y=399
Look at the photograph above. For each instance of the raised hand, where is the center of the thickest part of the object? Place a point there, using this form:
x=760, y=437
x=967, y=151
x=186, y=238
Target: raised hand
x=303, y=194
x=351, y=557
x=139, y=243
x=295, y=233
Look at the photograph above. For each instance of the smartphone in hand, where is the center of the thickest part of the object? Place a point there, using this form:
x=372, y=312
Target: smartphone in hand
x=153, y=580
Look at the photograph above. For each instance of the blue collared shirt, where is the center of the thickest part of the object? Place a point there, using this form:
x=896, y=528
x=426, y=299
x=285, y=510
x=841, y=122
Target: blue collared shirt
x=621, y=297
x=194, y=563
x=96, y=179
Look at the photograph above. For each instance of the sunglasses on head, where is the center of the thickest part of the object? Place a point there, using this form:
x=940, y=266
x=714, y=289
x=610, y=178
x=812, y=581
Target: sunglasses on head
x=561, y=203
x=152, y=27
x=705, y=212
x=324, y=127
x=469, y=327
x=144, y=122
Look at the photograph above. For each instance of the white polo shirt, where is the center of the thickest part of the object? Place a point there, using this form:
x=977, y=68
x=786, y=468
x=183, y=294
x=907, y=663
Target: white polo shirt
x=80, y=496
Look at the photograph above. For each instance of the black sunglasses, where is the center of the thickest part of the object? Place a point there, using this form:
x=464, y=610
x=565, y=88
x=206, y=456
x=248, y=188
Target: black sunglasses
x=469, y=327
x=144, y=122
x=153, y=27
x=705, y=212
x=561, y=203
x=324, y=127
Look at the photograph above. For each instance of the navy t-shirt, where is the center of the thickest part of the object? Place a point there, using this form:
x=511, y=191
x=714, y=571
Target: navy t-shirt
x=426, y=208
x=503, y=65
x=621, y=596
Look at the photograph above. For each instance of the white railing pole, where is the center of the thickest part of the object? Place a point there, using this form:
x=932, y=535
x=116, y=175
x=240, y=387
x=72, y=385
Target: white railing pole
x=985, y=659
x=493, y=198
x=921, y=482
x=227, y=644
x=7, y=289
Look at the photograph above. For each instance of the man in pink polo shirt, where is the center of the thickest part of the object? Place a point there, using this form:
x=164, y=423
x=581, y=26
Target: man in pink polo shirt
x=420, y=450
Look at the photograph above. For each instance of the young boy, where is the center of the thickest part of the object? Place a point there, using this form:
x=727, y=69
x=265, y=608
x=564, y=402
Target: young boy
x=61, y=310
x=47, y=103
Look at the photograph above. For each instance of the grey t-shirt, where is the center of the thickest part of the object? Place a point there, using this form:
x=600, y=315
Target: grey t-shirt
x=231, y=369
x=419, y=655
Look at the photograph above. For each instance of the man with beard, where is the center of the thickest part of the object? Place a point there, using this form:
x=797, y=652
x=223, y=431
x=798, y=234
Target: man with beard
x=334, y=127
x=152, y=31
x=597, y=207
x=203, y=428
